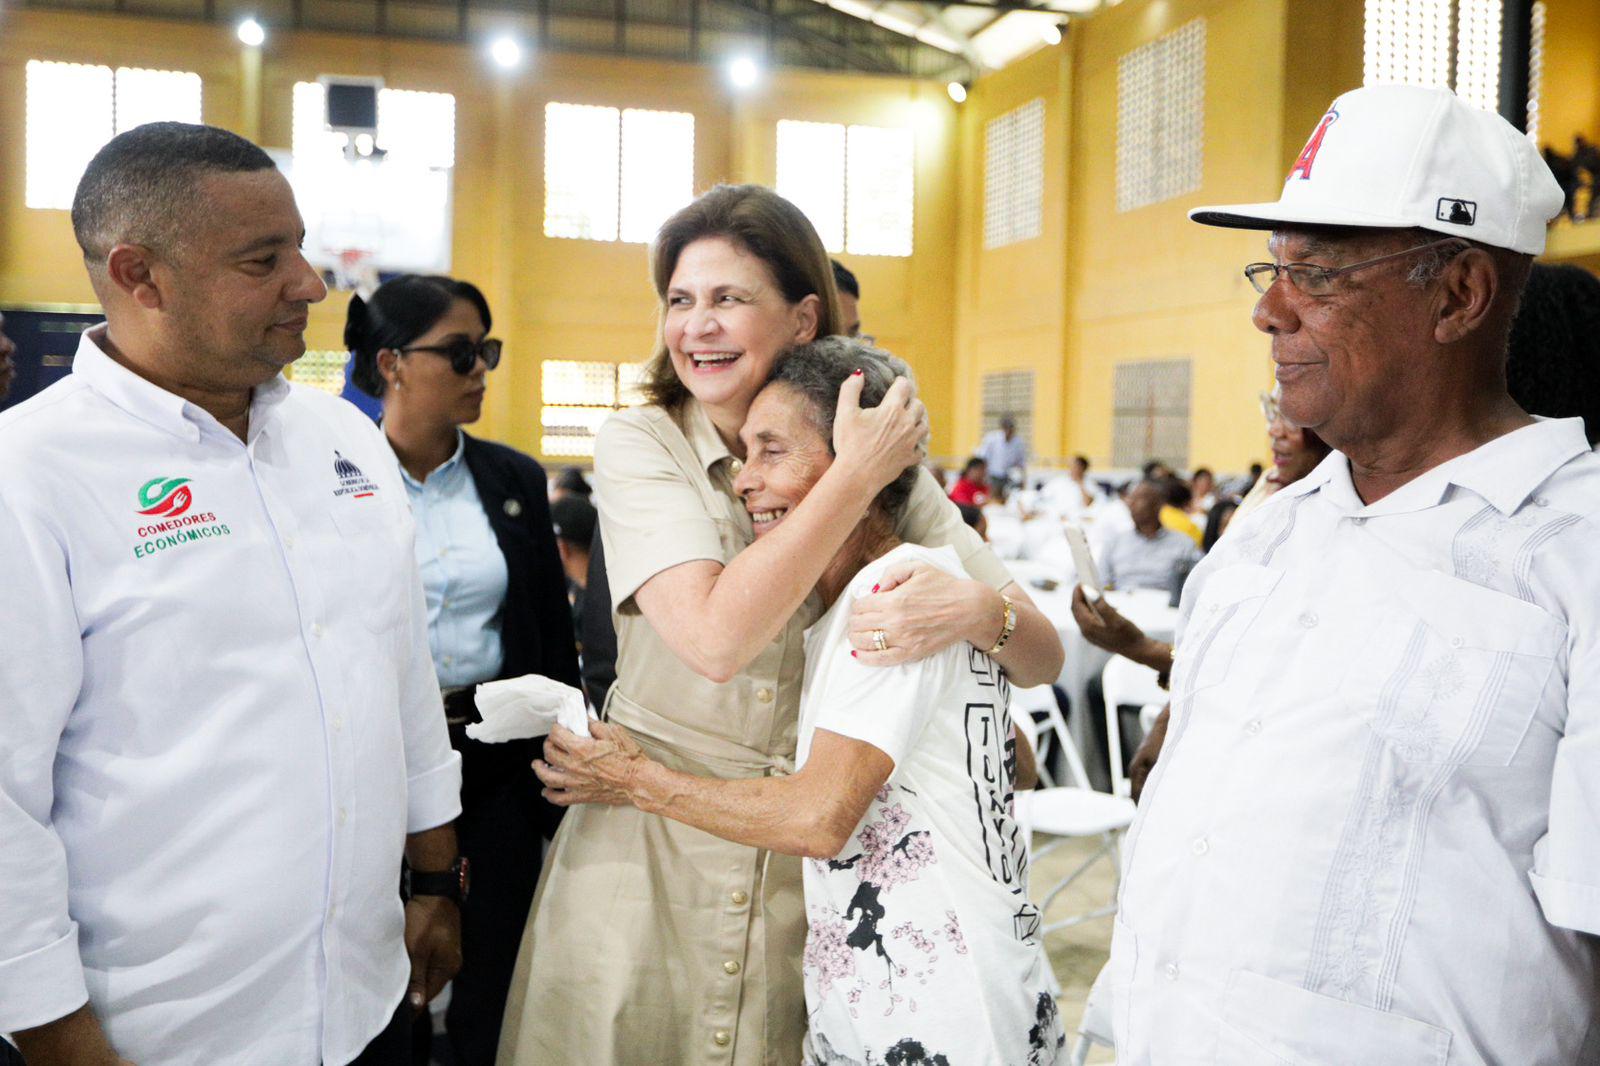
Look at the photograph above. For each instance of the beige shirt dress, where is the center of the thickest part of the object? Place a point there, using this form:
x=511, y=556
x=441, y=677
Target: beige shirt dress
x=652, y=943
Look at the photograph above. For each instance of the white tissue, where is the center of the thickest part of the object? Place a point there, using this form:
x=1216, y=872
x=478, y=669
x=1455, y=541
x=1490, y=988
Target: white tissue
x=520, y=708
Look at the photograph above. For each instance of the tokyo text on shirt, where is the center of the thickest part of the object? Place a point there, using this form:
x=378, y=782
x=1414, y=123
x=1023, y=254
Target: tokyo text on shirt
x=1372, y=834
x=922, y=939
x=218, y=721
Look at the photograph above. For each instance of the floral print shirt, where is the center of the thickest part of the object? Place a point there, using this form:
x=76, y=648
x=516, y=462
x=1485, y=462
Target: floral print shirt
x=923, y=946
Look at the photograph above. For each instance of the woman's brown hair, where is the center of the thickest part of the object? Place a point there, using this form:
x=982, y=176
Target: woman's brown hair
x=767, y=226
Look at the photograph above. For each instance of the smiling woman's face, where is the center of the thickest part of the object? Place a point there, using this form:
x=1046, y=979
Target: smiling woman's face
x=727, y=321
x=785, y=455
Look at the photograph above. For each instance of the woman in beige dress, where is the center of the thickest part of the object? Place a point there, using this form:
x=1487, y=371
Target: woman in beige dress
x=653, y=943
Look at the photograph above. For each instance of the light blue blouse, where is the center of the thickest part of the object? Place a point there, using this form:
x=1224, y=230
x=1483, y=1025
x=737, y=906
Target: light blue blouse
x=463, y=572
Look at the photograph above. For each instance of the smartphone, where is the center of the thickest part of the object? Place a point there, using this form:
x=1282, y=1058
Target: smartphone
x=1083, y=559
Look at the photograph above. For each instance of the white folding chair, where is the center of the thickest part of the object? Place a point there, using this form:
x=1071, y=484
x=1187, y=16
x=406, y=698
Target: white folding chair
x=1125, y=683
x=1072, y=811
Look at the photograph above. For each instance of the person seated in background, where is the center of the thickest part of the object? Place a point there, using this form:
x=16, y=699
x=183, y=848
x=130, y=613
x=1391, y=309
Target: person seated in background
x=1202, y=491
x=922, y=944
x=973, y=516
x=573, y=518
x=570, y=482
x=1155, y=470
x=1149, y=556
x=1175, y=502
x=972, y=487
x=1553, y=360
x=1072, y=495
x=849, y=299
x=8, y=369
x=1217, y=519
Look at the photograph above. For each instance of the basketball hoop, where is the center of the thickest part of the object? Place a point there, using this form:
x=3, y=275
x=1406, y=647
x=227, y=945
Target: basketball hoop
x=354, y=271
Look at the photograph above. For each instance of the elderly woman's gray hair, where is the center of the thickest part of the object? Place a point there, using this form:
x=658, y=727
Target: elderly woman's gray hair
x=817, y=370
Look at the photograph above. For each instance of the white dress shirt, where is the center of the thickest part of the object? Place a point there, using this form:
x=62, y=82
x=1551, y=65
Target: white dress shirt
x=218, y=721
x=463, y=572
x=1002, y=456
x=1374, y=833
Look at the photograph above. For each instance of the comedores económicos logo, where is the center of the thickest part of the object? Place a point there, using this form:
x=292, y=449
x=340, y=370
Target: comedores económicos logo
x=169, y=500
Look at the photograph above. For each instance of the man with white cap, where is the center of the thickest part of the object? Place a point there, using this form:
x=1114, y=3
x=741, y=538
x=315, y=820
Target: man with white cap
x=1374, y=834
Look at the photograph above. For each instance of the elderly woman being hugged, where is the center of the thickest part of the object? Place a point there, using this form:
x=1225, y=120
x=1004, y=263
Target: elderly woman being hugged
x=652, y=941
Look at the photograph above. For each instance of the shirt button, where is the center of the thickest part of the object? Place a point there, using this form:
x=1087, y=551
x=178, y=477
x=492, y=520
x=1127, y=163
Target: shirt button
x=1309, y=619
x=1201, y=846
x=1253, y=727
x=1359, y=521
x=288, y=542
x=764, y=695
x=1541, y=501
x=1456, y=642
x=448, y=659
x=721, y=1038
x=740, y=898
x=316, y=629
x=343, y=816
x=1171, y=970
x=338, y=722
x=444, y=604
x=443, y=552
x=730, y=967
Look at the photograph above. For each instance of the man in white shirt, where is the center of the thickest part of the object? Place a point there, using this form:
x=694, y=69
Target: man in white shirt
x=1372, y=836
x=1148, y=556
x=1005, y=454
x=218, y=716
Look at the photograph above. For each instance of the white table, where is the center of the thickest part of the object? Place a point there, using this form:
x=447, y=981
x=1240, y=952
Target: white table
x=1146, y=609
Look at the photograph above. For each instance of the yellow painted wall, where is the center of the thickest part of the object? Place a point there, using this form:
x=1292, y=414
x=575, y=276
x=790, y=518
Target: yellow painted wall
x=1570, y=100
x=552, y=299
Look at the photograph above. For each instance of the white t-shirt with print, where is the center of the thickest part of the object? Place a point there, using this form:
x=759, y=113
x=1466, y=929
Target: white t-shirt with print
x=923, y=945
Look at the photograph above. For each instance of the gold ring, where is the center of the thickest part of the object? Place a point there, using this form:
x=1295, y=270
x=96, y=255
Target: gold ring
x=880, y=640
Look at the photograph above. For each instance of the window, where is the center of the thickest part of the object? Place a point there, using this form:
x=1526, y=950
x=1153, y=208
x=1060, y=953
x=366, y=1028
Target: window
x=1535, y=69
x=73, y=110
x=577, y=397
x=320, y=369
x=1013, y=176
x=1150, y=413
x=1009, y=394
x=1161, y=118
x=414, y=128
x=1409, y=42
x=614, y=175
x=855, y=184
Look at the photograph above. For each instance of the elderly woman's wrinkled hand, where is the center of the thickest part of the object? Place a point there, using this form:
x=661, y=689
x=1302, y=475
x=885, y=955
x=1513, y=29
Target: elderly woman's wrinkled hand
x=1102, y=626
x=919, y=609
x=594, y=769
x=881, y=441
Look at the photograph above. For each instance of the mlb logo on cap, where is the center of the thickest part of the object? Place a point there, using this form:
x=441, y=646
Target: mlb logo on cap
x=1403, y=157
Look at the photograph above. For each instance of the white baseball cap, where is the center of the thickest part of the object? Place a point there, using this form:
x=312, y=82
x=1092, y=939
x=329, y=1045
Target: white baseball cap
x=1398, y=156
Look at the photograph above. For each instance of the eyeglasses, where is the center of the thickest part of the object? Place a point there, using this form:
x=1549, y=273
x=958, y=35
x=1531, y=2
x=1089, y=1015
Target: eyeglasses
x=1316, y=280
x=464, y=354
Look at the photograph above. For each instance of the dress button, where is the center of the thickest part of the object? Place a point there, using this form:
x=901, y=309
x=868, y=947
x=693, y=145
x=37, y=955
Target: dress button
x=1171, y=970
x=1253, y=727
x=764, y=695
x=740, y=898
x=730, y=967
x=721, y=1038
x=1309, y=619
x=1201, y=846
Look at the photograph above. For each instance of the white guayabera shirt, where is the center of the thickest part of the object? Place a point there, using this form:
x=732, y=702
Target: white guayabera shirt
x=218, y=721
x=1373, y=835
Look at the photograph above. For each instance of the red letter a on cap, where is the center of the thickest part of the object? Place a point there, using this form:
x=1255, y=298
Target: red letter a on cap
x=1308, y=154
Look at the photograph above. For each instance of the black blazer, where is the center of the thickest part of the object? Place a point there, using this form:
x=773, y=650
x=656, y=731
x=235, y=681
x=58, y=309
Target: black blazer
x=536, y=622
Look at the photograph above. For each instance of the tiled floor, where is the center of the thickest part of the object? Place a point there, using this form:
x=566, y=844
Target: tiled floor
x=1076, y=953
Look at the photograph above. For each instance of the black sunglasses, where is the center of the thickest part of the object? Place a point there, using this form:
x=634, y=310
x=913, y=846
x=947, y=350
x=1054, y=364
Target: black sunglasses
x=464, y=354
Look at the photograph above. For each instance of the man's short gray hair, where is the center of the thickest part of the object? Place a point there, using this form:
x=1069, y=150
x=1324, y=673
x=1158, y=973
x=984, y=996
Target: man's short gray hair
x=817, y=370
x=139, y=188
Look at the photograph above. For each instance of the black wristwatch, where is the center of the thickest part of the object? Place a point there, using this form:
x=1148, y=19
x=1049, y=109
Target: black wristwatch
x=452, y=884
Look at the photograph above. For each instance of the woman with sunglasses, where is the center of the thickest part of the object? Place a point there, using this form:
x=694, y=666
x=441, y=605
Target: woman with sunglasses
x=496, y=597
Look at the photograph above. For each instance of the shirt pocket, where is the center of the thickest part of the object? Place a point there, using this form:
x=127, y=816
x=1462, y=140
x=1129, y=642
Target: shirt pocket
x=1453, y=673
x=375, y=559
x=1228, y=606
x=1271, y=1023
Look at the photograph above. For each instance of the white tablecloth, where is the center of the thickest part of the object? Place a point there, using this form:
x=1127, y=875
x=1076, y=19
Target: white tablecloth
x=1148, y=610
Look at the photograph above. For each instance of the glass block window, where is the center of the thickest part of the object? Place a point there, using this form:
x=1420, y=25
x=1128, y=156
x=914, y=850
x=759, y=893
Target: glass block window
x=1150, y=413
x=1009, y=393
x=614, y=174
x=1478, y=53
x=1535, y=69
x=855, y=183
x=1161, y=118
x=321, y=370
x=74, y=109
x=1407, y=42
x=1013, y=176
x=577, y=396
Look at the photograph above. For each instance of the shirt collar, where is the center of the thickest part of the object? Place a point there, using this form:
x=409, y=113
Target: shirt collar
x=153, y=404
x=445, y=469
x=702, y=434
x=1504, y=472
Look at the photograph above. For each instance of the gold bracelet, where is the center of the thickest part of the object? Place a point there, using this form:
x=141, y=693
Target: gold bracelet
x=1009, y=628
